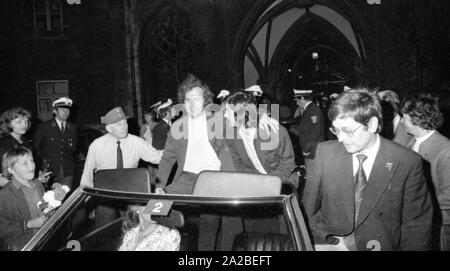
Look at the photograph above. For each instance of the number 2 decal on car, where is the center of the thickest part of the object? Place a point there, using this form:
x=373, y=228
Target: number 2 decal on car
x=158, y=207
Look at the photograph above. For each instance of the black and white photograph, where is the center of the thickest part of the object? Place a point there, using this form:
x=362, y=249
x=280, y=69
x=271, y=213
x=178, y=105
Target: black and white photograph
x=239, y=127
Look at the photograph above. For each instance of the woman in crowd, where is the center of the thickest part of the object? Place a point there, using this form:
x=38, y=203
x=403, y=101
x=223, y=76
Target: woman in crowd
x=151, y=119
x=14, y=123
x=20, y=217
x=141, y=233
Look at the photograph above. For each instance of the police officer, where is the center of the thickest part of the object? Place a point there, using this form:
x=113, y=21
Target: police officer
x=55, y=142
x=311, y=130
x=163, y=127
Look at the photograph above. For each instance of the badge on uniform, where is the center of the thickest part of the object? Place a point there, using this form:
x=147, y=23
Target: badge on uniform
x=314, y=119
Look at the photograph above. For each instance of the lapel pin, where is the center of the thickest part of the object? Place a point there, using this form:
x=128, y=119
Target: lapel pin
x=388, y=166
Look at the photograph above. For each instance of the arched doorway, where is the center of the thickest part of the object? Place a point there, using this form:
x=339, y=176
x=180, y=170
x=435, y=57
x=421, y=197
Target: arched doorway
x=275, y=48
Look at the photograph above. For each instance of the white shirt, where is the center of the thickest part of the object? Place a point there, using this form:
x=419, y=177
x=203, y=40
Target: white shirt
x=419, y=141
x=368, y=163
x=102, y=154
x=396, y=121
x=60, y=122
x=306, y=105
x=168, y=122
x=248, y=136
x=200, y=154
x=367, y=167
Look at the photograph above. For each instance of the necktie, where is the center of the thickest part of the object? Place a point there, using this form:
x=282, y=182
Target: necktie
x=119, y=156
x=63, y=127
x=360, y=183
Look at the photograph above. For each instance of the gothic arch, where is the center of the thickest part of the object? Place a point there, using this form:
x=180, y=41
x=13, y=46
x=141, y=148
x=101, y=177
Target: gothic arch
x=264, y=12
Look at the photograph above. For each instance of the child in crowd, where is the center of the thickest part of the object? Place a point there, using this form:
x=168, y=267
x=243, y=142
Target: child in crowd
x=20, y=217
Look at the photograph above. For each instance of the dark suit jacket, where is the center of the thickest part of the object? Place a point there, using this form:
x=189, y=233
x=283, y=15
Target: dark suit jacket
x=436, y=151
x=14, y=213
x=396, y=208
x=401, y=136
x=176, y=148
x=54, y=146
x=160, y=132
x=279, y=161
x=311, y=129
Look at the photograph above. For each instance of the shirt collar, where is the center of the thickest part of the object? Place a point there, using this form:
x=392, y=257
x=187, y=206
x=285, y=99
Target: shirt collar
x=112, y=138
x=306, y=105
x=396, y=121
x=419, y=140
x=199, y=119
x=59, y=122
x=19, y=185
x=372, y=151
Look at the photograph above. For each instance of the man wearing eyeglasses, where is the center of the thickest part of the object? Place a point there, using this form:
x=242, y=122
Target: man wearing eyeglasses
x=364, y=192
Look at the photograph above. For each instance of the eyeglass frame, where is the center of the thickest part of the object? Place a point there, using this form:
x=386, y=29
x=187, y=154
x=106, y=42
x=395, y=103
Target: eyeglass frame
x=336, y=131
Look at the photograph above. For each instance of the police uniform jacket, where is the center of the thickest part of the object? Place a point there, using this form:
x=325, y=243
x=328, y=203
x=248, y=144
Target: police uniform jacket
x=56, y=147
x=311, y=129
x=160, y=135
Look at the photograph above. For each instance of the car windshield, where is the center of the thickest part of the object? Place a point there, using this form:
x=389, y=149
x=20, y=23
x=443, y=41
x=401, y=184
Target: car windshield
x=202, y=223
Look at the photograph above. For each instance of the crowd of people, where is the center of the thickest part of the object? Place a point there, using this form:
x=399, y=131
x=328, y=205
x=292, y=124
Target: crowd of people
x=383, y=182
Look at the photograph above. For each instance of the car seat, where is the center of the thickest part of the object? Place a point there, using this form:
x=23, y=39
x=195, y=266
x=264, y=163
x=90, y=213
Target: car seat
x=128, y=180
x=223, y=184
x=255, y=241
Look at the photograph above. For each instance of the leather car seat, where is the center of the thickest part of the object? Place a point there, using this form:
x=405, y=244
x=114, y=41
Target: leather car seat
x=255, y=241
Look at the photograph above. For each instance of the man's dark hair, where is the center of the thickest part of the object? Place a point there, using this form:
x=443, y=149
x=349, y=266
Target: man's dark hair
x=424, y=111
x=191, y=82
x=244, y=106
x=164, y=112
x=359, y=104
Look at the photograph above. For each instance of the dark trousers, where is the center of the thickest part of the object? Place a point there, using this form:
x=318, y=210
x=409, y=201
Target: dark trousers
x=441, y=237
x=445, y=237
x=183, y=185
x=67, y=180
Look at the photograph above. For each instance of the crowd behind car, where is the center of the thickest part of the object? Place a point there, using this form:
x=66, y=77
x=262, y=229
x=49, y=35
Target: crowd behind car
x=376, y=165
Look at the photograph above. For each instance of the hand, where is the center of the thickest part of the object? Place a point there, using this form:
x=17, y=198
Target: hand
x=37, y=222
x=91, y=215
x=159, y=190
x=328, y=247
x=265, y=122
x=44, y=176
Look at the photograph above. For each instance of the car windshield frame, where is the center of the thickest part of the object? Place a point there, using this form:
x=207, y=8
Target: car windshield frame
x=289, y=203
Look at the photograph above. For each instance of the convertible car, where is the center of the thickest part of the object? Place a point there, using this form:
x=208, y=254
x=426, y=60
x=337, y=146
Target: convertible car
x=213, y=218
